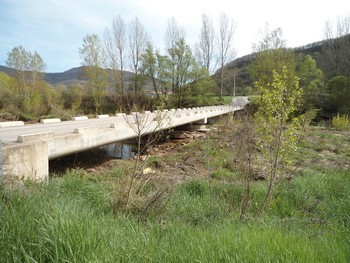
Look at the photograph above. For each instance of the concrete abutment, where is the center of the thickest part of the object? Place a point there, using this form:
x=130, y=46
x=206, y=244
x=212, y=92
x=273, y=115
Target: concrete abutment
x=26, y=161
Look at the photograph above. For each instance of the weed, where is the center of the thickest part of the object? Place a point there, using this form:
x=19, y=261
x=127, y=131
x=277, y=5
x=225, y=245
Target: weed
x=341, y=122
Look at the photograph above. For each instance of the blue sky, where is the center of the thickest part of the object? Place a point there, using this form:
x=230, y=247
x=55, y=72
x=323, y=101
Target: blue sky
x=55, y=28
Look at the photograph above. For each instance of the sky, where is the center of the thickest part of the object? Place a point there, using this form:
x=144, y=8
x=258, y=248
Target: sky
x=56, y=28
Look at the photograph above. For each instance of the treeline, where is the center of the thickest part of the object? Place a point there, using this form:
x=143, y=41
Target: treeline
x=323, y=68
x=179, y=77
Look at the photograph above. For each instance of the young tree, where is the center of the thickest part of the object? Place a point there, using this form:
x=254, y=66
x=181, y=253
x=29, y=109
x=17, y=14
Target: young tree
x=94, y=59
x=28, y=67
x=278, y=128
x=184, y=70
x=205, y=47
x=137, y=44
x=225, y=46
x=152, y=66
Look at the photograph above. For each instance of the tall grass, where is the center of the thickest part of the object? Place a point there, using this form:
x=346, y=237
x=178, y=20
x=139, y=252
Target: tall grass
x=72, y=218
x=69, y=220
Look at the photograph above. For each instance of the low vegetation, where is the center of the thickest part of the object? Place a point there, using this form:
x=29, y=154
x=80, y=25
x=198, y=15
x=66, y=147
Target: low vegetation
x=74, y=218
x=341, y=122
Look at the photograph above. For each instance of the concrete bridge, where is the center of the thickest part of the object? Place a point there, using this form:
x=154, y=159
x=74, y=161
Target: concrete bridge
x=27, y=149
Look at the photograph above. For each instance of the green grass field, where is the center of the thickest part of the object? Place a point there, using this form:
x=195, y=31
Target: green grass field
x=72, y=217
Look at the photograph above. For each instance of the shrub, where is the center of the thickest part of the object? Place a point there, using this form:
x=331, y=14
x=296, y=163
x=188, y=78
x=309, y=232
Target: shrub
x=340, y=122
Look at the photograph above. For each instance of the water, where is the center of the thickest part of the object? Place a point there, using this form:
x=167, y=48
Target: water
x=119, y=150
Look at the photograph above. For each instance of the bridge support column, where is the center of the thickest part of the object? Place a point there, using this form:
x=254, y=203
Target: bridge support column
x=26, y=161
x=202, y=121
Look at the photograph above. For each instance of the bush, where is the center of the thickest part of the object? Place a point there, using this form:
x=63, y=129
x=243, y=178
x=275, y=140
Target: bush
x=340, y=122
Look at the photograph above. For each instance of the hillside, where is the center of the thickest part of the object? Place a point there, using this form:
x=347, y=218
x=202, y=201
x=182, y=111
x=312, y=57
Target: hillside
x=332, y=63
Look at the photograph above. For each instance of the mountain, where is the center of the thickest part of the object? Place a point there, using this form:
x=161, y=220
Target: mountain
x=70, y=77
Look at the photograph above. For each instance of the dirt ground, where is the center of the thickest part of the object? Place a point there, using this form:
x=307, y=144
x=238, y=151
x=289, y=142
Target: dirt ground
x=181, y=157
x=169, y=159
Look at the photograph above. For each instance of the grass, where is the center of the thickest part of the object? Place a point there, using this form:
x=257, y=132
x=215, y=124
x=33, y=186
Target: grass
x=71, y=218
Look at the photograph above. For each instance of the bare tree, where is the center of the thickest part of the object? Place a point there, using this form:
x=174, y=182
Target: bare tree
x=111, y=59
x=119, y=32
x=205, y=47
x=335, y=62
x=137, y=44
x=225, y=45
x=148, y=128
x=115, y=43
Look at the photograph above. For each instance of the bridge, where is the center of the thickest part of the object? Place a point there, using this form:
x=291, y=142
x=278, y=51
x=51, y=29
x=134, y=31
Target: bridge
x=27, y=148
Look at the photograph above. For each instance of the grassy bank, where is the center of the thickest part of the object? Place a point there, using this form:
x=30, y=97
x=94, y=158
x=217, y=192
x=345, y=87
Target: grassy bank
x=72, y=218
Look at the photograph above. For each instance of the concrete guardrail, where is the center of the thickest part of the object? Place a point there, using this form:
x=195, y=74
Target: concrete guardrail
x=53, y=120
x=11, y=123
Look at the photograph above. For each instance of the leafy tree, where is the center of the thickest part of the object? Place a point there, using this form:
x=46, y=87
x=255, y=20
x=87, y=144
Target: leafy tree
x=184, y=70
x=271, y=55
x=8, y=98
x=28, y=71
x=94, y=59
x=154, y=66
x=278, y=127
x=18, y=59
x=200, y=93
x=340, y=94
x=311, y=80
